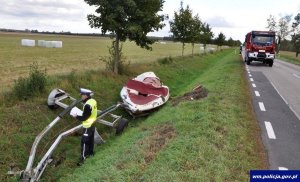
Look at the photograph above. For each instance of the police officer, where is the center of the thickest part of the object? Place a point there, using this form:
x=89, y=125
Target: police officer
x=88, y=119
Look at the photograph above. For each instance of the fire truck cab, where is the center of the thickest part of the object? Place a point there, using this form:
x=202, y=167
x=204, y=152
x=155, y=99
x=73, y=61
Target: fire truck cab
x=260, y=46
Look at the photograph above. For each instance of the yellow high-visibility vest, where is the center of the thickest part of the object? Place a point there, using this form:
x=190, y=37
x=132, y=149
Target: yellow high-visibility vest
x=88, y=123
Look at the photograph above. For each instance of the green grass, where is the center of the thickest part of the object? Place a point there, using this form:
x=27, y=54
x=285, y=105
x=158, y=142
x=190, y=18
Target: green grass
x=79, y=53
x=216, y=138
x=289, y=57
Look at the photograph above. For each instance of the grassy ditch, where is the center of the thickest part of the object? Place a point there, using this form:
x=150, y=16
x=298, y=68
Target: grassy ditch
x=212, y=139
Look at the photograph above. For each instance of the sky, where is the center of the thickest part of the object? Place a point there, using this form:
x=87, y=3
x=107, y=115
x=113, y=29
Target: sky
x=234, y=18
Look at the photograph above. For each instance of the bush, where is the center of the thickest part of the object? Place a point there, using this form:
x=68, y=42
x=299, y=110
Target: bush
x=73, y=79
x=166, y=60
x=31, y=86
x=109, y=61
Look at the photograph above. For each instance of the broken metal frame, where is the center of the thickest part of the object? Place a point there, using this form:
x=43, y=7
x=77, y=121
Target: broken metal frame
x=55, y=99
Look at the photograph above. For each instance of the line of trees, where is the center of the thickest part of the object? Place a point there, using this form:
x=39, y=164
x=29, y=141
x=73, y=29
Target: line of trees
x=230, y=42
x=134, y=19
x=288, y=32
x=187, y=28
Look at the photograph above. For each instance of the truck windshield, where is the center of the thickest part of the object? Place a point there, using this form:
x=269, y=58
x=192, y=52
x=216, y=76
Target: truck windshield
x=263, y=40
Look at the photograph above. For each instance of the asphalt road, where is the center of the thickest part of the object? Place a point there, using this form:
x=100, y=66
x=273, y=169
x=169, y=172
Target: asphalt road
x=276, y=100
x=286, y=79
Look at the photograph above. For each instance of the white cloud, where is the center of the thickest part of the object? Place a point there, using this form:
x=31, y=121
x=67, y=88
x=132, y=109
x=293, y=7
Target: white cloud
x=234, y=18
x=46, y=15
x=219, y=22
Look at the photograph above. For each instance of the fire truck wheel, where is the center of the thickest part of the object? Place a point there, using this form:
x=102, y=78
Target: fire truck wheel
x=271, y=63
x=248, y=62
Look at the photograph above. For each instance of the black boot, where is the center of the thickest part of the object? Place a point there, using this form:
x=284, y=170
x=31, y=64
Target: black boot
x=80, y=161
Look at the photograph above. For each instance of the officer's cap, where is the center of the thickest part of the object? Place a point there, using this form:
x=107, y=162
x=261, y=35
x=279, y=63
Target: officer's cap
x=84, y=91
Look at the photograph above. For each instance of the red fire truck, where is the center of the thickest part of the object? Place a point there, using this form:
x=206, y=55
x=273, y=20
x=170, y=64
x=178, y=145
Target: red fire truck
x=259, y=46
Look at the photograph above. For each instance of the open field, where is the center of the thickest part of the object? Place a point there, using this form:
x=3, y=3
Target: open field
x=289, y=57
x=78, y=53
x=212, y=139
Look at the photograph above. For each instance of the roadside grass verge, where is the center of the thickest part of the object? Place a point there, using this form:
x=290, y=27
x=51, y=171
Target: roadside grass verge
x=213, y=139
x=289, y=57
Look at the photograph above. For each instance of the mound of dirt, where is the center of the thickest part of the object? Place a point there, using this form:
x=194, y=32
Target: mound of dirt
x=197, y=93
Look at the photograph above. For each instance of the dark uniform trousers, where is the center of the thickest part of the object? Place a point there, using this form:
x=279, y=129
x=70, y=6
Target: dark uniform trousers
x=87, y=142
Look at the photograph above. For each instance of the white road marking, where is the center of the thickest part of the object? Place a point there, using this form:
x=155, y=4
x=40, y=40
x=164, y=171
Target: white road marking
x=253, y=85
x=257, y=93
x=251, y=79
x=286, y=102
x=279, y=93
x=250, y=75
x=261, y=106
x=294, y=112
x=249, y=72
x=270, y=130
x=296, y=75
x=283, y=168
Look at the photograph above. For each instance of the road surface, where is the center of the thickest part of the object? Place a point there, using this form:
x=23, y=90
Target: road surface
x=276, y=100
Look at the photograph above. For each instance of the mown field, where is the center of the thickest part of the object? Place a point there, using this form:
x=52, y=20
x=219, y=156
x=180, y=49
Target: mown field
x=289, y=57
x=212, y=139
x=78, y=53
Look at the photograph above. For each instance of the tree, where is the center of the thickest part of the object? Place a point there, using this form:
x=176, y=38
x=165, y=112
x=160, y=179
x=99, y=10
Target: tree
x=196, y=28
x=220, y=39
x=206, y=35
x=296, y=43
x=284, y=27
x=181, y=25
x=271, y=21
x=230, y=42
x=296, y=35
x=296, y=23
x=127, y=19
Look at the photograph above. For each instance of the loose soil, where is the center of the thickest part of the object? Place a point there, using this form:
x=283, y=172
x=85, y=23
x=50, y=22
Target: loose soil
x=156, y=141
x=197, y=93
x=151, y=145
